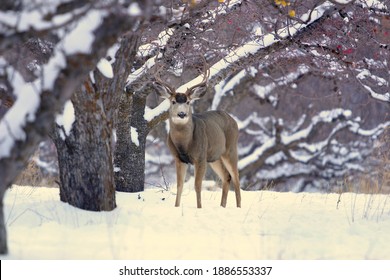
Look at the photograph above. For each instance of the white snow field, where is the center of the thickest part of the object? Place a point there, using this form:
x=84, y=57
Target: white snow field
x=147, y=226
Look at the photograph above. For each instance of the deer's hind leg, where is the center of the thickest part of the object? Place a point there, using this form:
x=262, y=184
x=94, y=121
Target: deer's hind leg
x=225, y=177
x=230, y=163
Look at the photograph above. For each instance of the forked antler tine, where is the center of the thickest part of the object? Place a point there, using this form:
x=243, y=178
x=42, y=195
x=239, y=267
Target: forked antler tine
x=206, y=75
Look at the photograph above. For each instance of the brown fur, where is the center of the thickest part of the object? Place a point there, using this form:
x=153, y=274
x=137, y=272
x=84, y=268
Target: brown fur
x=210, y=137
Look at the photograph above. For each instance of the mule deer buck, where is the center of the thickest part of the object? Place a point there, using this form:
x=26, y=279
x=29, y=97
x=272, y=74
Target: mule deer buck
x=209, y=137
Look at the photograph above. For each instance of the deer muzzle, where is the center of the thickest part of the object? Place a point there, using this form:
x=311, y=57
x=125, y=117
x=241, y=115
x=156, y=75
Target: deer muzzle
x=182, y=115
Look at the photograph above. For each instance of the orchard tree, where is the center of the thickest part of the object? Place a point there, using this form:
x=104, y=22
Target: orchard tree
x=80, y=34
x=85, y=147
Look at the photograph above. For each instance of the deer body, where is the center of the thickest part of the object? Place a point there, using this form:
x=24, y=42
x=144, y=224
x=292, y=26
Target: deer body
x=210, y=137
x=204, y=137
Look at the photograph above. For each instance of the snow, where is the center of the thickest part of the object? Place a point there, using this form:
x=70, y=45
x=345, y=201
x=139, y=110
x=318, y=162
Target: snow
x=83, y=32
x=249, y=48
x=344, y=1
x=134, y=10
x=162, y=39
x=381, y=82
x=66, y=119
x=254, y=46
x=134, y=76
x=33, y=19
x=326, y=116
x=51, y=70
x=244, y=162
x=375, y=132
x=373, y=3
x=23, y=110
x=146, y=225
x=134, y=136
x=76, y=40
x=105, y=68
x=227, y=85
x=150, y=114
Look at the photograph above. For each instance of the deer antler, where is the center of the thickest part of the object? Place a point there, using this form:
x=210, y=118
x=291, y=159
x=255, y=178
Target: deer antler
x=161, y=82
x=206, y=75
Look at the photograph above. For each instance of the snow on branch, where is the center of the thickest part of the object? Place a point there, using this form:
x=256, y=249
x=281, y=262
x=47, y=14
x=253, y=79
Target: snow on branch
x=254, y=46
x=23, y=110
x=373, y=4
x=322, y=117
x=161, y=42
x=380, y=82
x=146, y=50
x=227, y=85
x=75, y=39
x=36, y=18
x=284, y=154
x=267, y=40
x=244, y=51
x=66, y=119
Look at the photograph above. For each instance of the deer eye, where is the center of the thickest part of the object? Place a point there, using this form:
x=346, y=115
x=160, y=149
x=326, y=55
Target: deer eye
x=173, y=102
x=188, y=102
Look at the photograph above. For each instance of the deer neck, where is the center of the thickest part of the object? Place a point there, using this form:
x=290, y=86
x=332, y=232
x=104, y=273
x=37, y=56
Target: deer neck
x=182, y=134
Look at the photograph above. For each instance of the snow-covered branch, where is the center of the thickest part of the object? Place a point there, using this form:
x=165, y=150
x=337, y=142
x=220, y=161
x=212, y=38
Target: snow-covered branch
x=379, y=82
x=84, y=36
x=28, y=93
x=285, y=154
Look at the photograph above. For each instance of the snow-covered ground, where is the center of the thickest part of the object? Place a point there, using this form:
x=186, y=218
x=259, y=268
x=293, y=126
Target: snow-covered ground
x=146, y=225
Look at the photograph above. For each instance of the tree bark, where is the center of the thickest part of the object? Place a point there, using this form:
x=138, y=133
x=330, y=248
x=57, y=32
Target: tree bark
x=123, y=145
x=129, y=154
x=85, y=156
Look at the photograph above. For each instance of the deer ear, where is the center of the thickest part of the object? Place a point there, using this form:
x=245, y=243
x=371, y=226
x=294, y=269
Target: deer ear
x=162, y=91
x=198, y=92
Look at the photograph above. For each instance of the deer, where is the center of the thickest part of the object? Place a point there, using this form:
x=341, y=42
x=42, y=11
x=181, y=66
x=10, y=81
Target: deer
x=199, y=139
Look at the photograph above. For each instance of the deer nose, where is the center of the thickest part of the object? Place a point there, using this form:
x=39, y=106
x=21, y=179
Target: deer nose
x=182, y=115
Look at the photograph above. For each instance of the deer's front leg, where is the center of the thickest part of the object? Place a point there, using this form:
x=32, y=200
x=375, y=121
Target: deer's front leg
x=200, y=170
x=181, y=169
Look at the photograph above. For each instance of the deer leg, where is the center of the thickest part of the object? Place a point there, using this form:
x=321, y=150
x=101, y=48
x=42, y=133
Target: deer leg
x=200, y=170
x=181, y=169
x=230, y=163
x=224, y=175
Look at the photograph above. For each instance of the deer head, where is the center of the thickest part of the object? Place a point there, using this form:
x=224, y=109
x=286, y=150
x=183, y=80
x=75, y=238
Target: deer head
x=180, y=110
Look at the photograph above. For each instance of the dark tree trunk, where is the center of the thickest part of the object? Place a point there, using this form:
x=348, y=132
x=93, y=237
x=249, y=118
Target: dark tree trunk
x=123, y=146
x=85, y=156
x=130, y=155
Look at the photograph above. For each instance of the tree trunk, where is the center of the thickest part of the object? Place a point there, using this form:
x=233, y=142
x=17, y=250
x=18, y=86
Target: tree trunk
x=123, y=144
x=132, y=130
x=85, y=156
